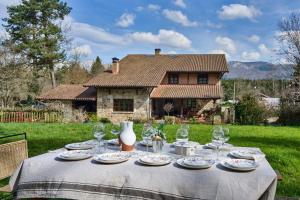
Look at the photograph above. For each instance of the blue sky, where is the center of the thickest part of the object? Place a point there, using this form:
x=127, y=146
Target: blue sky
x=245, y=30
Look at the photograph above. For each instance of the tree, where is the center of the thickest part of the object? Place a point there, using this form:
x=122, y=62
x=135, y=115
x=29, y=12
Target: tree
x=76, y=74
x=35, y=30
x=97, y=67
x=168, y=107
x=290, y=48
x=12, y=76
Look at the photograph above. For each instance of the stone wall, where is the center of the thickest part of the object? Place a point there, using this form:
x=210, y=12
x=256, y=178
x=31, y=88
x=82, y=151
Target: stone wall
x=140, y=98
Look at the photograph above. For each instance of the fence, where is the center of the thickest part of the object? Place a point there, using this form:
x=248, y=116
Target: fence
x=31, y=116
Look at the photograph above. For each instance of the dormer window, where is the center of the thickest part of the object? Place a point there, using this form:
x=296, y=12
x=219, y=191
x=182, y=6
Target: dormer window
x=202, y=78
x=173, y=78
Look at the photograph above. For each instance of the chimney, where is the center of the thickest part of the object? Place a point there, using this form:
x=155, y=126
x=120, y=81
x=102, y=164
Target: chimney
x=115, y=65
x=157, y=51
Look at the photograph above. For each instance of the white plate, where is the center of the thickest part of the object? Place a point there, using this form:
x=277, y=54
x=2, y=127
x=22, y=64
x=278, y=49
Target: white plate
x=155, y=160
x=240, y=164
x=113, y=141
x=144, y=143
x=79, y=146
x=75, y=155
x=246, y=154
x=111, y=158
x=197, y=165
x=212, y=146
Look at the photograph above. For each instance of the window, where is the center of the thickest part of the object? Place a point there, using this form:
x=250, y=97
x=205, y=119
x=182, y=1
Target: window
x=123, y=105
x=202, y=78
x=191, y=103
x=173, y=78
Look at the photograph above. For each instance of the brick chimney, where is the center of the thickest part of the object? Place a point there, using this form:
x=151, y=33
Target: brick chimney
x=157, y=51
x=115, y=65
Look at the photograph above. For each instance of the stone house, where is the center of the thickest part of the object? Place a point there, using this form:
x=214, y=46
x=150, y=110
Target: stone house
x=139, y=85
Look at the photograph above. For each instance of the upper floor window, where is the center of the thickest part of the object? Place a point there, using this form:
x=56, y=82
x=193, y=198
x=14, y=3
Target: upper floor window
x=202, y=78
x=173, y=78
x=123, y=105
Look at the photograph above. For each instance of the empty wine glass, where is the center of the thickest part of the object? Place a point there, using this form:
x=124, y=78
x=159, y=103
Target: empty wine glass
x=182, y=137
x=147, y=134
x=116, y=129
x=226, y=134
x=99, y=133
x=217, y=139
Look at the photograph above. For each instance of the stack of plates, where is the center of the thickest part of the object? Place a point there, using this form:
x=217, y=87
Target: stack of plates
x=155, y=160
x=240, y=164
x=111, y=158
x=75, y=155
x=195, y=163
x=79, y=146
x=146, y=143
x=213, y=146
x=113, y=141
x=246, y=154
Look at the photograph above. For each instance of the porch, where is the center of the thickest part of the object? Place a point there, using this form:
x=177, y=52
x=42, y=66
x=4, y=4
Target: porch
x=183, y=108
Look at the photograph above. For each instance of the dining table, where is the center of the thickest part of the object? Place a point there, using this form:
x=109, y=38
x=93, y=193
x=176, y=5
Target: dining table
x=47, y=176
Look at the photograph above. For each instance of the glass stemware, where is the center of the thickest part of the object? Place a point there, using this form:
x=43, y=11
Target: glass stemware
x=182, y=137
x=217, y=138
x=147, y=134
x=99, y=133
x=226, y=134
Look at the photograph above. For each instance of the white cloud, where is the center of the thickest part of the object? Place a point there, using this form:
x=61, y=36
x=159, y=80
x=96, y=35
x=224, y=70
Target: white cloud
x=226, y=43
x=153, y=7
x=178, y=17
x=253, y=38
x=236, y=11
x=264, y=50
x=84, y=50
x=94, y=33
x=169, y=38
x=139, y=8
x=180, y=3
x=220, y=51
x=126, y=20
x=213, y=25
x=250, y=56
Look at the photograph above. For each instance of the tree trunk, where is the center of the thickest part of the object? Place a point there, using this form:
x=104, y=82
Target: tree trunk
x=52, y=75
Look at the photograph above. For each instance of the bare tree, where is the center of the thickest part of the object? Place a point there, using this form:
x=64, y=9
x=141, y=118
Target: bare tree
x=168, y=108
x=289, y=39
x=11, y=76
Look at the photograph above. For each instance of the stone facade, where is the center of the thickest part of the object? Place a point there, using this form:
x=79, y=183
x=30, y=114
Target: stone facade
x=141, y=103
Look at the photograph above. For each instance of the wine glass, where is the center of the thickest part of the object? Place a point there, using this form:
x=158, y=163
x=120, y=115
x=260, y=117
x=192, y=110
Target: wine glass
x=99, y=133
x=182, y=137
x=147, y=134
x=226, y=134
x=116, y=130
x=217, y=139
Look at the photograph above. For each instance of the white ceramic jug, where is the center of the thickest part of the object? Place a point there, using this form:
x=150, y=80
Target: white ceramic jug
x=127, y=136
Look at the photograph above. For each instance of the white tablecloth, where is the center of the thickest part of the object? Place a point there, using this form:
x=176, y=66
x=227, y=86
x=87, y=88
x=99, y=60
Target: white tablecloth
x=46, y=176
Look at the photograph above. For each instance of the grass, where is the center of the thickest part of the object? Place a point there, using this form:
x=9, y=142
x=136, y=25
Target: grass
x=280, y=144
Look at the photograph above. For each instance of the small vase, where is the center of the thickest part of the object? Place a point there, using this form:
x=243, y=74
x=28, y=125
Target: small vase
x=157, y=146
x=127, y=136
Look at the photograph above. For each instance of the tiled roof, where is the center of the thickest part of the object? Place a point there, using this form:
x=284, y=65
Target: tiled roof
x=149, y=70
x=187, y=91
x=70, y=92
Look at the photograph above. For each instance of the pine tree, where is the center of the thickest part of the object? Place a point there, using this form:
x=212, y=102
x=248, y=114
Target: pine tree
x=36, y=34
x=97, y=67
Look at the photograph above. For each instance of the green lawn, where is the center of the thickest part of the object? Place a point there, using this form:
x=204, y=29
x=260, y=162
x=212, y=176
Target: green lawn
x=280, y=144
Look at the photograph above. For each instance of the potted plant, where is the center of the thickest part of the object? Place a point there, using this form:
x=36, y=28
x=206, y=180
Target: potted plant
x=158, y=138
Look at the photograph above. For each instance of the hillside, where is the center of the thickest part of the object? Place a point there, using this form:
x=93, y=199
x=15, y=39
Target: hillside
x=257, y=70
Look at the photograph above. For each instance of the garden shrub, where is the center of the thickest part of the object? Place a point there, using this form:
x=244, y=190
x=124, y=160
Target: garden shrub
x=104, y=120
x=249, y=111
x=170, y=119
x=289, y=113
x=92, y=117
